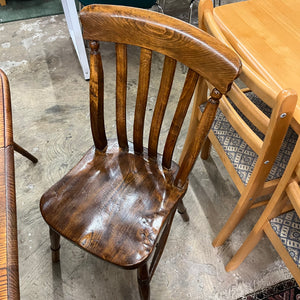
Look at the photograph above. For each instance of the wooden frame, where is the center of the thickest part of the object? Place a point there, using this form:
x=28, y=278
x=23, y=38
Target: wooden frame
x=130, y=189
x=288, y=188
x=9, y=279
x=282, y=102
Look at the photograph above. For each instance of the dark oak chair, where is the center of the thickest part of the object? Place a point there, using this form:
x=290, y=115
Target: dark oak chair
x=9, y=271
x=119, y=201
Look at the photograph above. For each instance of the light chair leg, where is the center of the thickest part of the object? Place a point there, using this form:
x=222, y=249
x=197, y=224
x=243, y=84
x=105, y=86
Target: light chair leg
x=252, y=240
x=236, y=216
x=144, y=282
x=72, y=20
x=25, y=153
x=55, y=245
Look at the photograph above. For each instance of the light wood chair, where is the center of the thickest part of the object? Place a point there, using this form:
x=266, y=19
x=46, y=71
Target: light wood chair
x=9, y=270
x=119, y=201
x=2, y=2
x=282, y=229
x=248, y=133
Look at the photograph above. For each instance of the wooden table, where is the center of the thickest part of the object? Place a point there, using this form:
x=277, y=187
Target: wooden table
x=266, y=34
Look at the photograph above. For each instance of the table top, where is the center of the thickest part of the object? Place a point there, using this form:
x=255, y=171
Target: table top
x=266, y=34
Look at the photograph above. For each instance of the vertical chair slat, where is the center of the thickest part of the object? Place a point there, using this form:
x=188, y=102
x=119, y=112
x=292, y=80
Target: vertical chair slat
x=201, y=132
x=121, y=91
x=141, y=100
x=161, y=104
x=97, y=97
x=181, y=110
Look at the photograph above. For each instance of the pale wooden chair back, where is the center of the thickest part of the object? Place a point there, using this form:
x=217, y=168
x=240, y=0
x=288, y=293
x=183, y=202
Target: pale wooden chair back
x=259, y=117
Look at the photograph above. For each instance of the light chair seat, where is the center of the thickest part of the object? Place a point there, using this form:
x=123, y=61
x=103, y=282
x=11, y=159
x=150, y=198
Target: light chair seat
x=115, y=189
x=287, y=227
x=240, y=154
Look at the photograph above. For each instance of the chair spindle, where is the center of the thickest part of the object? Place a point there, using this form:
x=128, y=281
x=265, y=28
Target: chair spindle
x=200, y=134
x=97, y=97
x=141, y=100
x=161, y=104
x=121, y=91
x=180, y=113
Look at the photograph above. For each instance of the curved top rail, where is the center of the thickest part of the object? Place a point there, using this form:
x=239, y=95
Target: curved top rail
x=204, y=54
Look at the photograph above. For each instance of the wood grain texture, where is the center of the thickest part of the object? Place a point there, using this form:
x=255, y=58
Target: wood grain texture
x=119, y=201
x=158, y=32
x=120, y=221
x=270, y=27
x=141, y=99
x=281, y=101
x=180, y=113
x=161, y=104
x=97, y=97
x=121, y=92
x=9, y=274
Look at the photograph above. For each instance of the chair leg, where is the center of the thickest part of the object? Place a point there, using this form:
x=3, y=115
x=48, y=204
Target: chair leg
x=252, y=240
x=55, y=245
x=182, y=211
x=206, y=149
x=144, y=282
x=144, y=275
x=236, y=216
x=25, y=153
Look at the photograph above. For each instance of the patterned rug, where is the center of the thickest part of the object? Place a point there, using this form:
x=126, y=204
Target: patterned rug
x=285, y=290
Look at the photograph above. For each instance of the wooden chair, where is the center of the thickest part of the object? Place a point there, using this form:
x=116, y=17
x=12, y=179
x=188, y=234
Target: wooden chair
x=282, y=229
x=9, y=271
x=118, y=202
x=248, y=132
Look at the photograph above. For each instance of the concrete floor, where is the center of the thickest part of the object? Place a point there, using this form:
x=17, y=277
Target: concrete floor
x=51, y=119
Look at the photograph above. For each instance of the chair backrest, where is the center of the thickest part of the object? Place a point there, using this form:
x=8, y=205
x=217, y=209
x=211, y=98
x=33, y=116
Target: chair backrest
x=178, y=41
x=9, y=279
x=262, y=121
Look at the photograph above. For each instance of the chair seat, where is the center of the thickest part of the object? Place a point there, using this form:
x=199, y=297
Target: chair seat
x=127, y=200
x=287, y=227
x=241, y=155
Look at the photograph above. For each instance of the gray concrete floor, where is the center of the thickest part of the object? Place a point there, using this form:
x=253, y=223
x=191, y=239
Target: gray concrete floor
x=51, y=119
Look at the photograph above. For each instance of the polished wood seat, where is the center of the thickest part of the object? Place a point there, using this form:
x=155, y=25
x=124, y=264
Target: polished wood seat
x=116, y=205
x=119, y=201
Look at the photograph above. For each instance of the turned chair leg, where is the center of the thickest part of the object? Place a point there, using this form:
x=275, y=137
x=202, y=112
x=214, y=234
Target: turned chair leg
x=144, y=282
x=25, y=153
x=55, y=245
x=182, y=210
